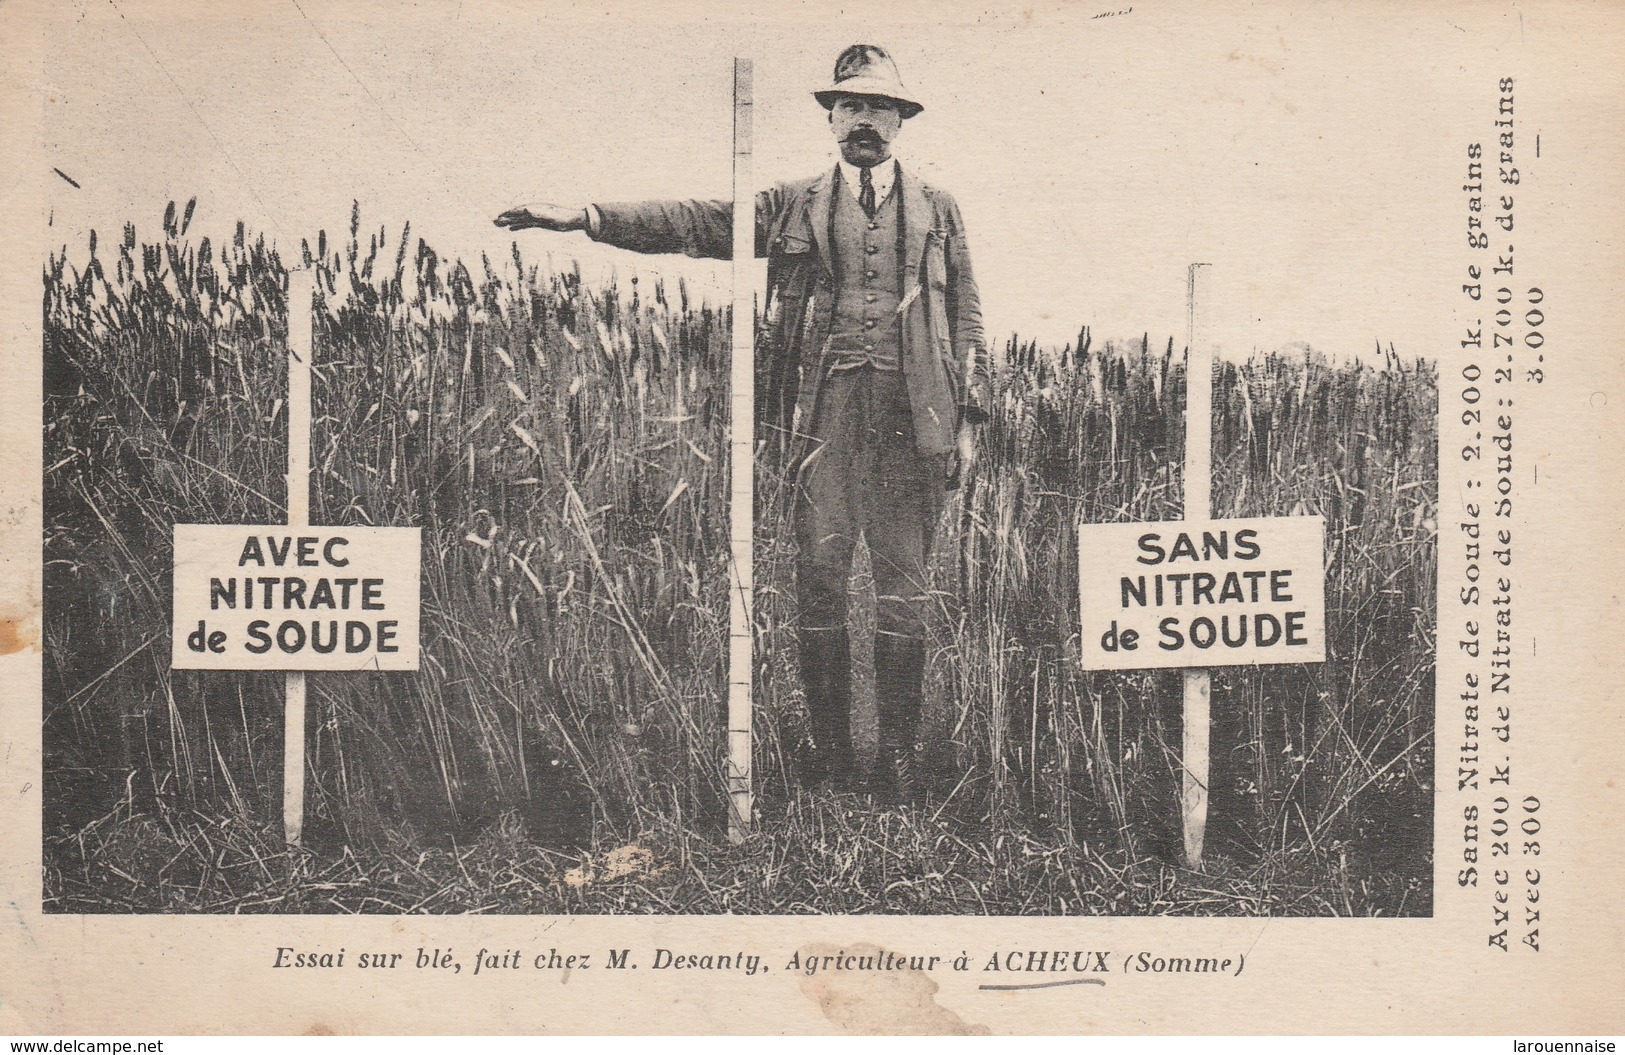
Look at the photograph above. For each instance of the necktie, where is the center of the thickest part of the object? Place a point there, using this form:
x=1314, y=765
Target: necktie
x=866, y=192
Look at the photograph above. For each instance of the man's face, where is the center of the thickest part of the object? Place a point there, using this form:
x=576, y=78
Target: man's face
x=865, y=126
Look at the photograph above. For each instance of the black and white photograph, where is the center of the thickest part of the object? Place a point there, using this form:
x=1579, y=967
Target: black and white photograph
x=527, y=463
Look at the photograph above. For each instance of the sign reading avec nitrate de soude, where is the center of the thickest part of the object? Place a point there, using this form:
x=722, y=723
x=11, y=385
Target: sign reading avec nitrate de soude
x=278, y=598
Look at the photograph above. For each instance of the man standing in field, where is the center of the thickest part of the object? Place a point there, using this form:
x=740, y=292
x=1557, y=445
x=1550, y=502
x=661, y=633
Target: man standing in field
x=876, y=376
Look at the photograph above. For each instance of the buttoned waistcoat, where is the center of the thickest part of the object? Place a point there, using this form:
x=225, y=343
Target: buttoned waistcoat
x=945, y=359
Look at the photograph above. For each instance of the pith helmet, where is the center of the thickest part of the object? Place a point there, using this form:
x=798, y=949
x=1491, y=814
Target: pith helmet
x=864, y=69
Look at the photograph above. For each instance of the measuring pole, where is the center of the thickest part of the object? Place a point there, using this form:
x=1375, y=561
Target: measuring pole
x=742, y=443
x=301, y=291
x=1198, y=682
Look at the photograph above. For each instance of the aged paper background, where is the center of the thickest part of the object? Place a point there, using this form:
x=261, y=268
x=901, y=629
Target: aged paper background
x=1314, y=155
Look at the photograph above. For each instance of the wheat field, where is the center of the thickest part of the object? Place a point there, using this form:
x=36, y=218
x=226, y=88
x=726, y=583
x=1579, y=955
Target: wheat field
x=564, y=449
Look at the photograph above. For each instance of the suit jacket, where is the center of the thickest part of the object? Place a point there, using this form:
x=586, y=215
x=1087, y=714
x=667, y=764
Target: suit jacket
x=945, y=358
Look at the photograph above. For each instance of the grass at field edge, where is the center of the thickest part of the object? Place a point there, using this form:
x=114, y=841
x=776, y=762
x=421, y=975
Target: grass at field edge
x=815, y=853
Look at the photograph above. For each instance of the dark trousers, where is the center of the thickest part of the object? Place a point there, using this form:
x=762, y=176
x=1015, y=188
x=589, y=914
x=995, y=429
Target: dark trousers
x=864, y=478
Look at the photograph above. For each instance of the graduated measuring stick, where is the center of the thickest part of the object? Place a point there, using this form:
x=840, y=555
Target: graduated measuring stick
x=741, y=449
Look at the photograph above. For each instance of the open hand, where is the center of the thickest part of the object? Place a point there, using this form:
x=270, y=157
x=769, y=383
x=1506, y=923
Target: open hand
x=544, y=216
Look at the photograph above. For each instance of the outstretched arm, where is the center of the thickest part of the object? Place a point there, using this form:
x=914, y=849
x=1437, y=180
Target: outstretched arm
x=694, y=228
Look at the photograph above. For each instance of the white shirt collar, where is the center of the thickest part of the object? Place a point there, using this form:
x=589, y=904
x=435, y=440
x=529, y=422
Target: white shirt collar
x=885, y=174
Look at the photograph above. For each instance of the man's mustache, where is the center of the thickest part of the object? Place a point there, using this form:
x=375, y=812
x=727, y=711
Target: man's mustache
x=863, y=135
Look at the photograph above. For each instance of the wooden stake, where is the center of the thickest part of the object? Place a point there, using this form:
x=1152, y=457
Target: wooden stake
x=742, y=443
x=1198, y=506
x=301, y=290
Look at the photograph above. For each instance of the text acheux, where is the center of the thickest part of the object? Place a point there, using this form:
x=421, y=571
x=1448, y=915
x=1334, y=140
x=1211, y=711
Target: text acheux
x=1202, y=594
x=266, y=598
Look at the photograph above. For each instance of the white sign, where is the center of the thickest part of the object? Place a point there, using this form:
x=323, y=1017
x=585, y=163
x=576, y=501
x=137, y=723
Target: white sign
x=1211, y=593
x=280, y=598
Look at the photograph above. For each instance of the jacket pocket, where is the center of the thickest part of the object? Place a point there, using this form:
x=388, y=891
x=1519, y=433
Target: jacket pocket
x=794, y=236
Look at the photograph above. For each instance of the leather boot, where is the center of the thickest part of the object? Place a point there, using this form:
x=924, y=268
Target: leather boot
x=826, y=675
x=899, y=692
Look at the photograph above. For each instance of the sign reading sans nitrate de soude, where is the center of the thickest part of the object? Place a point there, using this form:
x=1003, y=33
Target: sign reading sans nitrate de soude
x=280, y=598
x=1212, y=593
